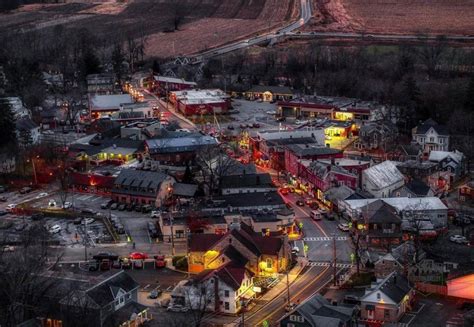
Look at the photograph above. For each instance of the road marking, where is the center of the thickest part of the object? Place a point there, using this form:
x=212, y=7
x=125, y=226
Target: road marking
x=325, y=238
x=298, y=293
x=329, y=264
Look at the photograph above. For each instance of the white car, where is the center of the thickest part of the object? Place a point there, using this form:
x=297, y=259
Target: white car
x=458, y=239
x=88, y=221
x=67, y=205
x=343, y=227
x=52, y=203
x=155, y=214
x=271, y=112
x=42, y=195
x=8, y=248
x=10, y=207
x=55, y=229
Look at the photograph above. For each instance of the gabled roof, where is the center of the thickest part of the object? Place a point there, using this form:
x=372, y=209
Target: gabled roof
x=229, y=274
x=395, y=286
x=418, y=187
x=384, y=174
x=246, y=180
x=318, y=312
x=203, y=242
x=25, y=123
x=183, y=189
x=430, y=123
x=411, y=149
x=379, y=212
x=438, y=156
x=140, y=178
x=103, y=293
x=338, y=193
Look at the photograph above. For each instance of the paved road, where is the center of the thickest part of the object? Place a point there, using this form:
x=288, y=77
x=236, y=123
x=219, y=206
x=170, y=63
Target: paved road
x=155, y=100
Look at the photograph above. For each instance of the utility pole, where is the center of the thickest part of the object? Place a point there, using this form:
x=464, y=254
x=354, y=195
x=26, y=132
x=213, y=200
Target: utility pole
x=34, y=170
x=172, y=234
x=85, y=241
x=334, y=259
x=287, y=287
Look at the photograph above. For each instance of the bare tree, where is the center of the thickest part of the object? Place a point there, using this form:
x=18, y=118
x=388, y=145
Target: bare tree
x=215, y=164
x=21, y=283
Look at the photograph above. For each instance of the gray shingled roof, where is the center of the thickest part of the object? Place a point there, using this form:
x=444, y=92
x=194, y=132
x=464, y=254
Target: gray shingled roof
x=140, y=178
x=180, y=144
x=246, y=180
x=430, y=123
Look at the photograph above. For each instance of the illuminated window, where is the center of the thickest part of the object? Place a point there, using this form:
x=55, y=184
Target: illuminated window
x=269, y=263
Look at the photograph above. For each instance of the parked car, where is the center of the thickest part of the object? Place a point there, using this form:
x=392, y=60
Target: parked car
x=10, y=207
x=300, y=203
x=113, y=206
x=89, y=211
x=87, y=221
x=52, y=203
x=154, y=294
x=55, y=229
x=160, y=261
x=459, y=239
x=105, y=264
x=155, y=214
x=3, y=198
x=3, y=213
x=315, y=215
x=25, y=190
x=314, y=205
x=122, y=207
x=138, y=208
x=343, y=227
x=120, y=229
x=77, y=221
x=256, y=125
x=177, y=308
x=3, y=188
x=8, y=248
x=42, y=195
x=126, y=263
x=146, y=208
x=351, y=299
x=138, y=256
x=290, y=307
x=230, y=127
x=37, y=216
x=93, y=265
x=130, y=206
x=67, y=205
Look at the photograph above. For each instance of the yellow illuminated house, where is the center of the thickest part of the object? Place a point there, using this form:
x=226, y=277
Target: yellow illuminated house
x=261, y=255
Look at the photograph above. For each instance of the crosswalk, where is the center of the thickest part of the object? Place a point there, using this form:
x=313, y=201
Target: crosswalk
x=324, y=238
x=329, y=264
x=88, y=197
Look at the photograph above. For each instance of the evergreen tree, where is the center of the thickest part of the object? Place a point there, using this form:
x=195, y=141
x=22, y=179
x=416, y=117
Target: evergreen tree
x=91, y=63
x=155, y=67
x=469, y=102
x=118, y=58
x=7, y=126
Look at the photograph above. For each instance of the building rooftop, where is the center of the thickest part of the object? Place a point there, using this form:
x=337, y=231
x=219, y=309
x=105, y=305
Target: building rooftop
x=181, y=144
x=200, y=96
x=384, y=174
x=140, y=179
x=246, y=180
x=173, y=80
x=311, y=150
x=108, y=102
x=395, y=286
x=428, y=124
x=246, y=200
x=438, y=156
x=403, y=203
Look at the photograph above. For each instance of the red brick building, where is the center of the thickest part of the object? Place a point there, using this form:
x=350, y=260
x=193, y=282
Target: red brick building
x=200, y=102
x=162, y=85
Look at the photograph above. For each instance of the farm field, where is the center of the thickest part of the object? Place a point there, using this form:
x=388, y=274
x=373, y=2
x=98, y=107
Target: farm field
x=450, y=17
x=202, y=23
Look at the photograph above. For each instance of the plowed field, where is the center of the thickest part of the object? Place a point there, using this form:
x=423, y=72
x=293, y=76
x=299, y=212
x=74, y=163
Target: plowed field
x=202, y=23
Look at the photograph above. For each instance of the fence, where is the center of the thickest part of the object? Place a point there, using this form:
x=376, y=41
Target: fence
x=431, y=288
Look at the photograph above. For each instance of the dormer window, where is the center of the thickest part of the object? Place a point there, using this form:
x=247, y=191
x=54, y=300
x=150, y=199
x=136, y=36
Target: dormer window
x=379, y=296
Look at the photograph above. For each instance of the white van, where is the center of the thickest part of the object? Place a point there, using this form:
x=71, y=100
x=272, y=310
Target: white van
x=315, y=215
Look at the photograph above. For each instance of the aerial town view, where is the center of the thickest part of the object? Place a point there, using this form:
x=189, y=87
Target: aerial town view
x=232, y=163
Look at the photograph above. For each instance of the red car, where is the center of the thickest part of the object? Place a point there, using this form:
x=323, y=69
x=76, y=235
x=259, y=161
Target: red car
x=138, y=256
x=160, y=261
x=284, y=190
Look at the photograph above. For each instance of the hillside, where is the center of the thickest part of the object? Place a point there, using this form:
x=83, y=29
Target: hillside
x=450, y=17
x=201, y=23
